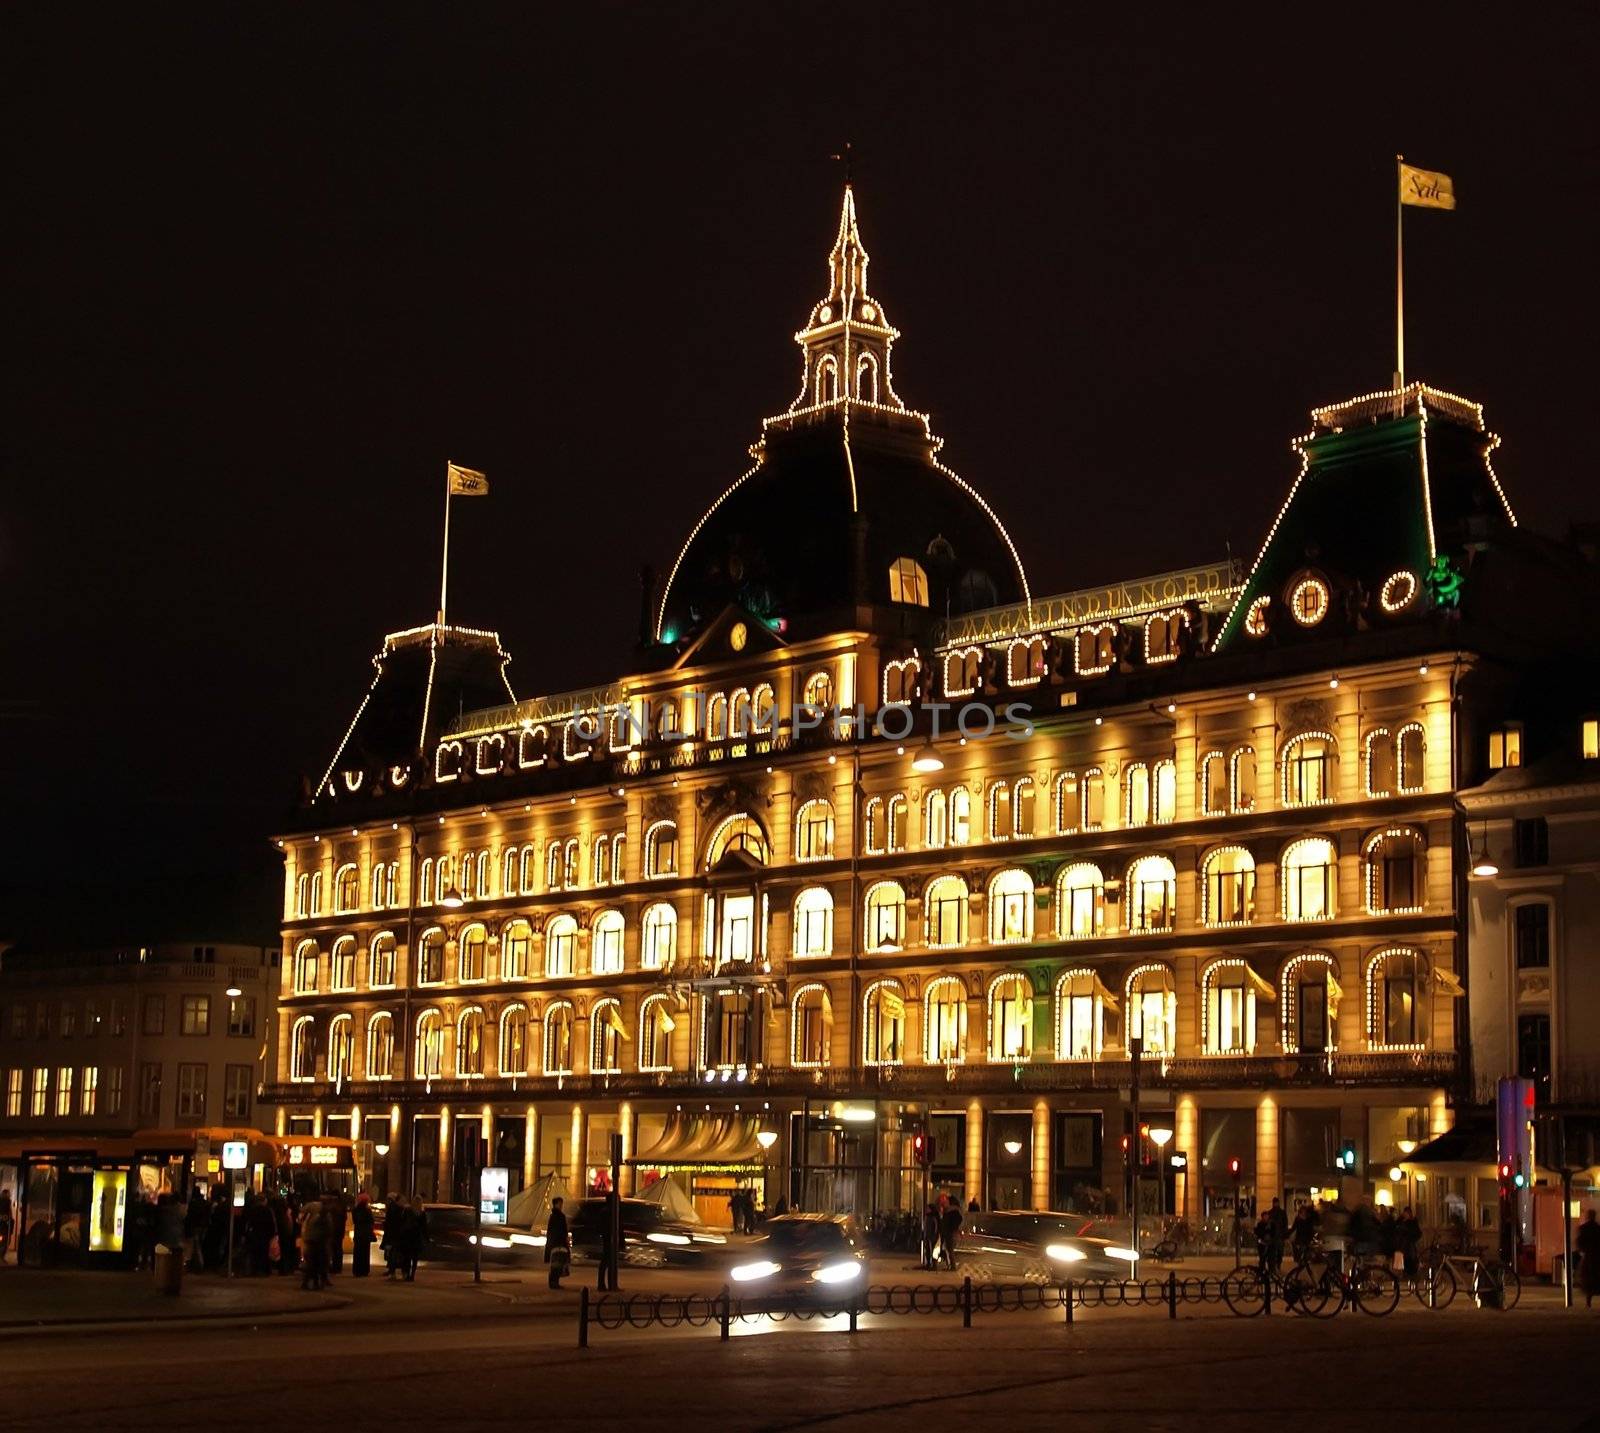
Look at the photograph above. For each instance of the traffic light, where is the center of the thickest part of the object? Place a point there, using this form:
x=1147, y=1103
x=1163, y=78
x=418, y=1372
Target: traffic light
x=1233, y=1167
x=1179, y=1161
x=1347, y=1156
x=922, y=1148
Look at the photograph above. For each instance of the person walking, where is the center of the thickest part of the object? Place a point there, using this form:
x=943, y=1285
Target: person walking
x=1277, y=1235
x=930, y=1235
x=361, y=1238
x=337, y=1215
x=557, y=1244
x=1407, y=1238
x=194, y=1228
x=949, y=1228
x=7, y=1222
x=1303, y=1231
x=1588, y=1242
x=394, y=1218
x=313, y=1243
x=416, y=1239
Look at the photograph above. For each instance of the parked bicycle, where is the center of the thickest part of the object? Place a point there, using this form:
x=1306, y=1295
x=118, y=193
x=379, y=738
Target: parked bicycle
x=1493, y=1283
x=1324, y=1291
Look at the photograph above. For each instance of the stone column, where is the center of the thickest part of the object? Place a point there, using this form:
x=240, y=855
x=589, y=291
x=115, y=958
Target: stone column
x=1268, y=1181
x=577, y=1176
x=628, y=1121
x=974, y=1169
x=1186, y=1140
x=447, y=1170
x=1041, y=1154
x=530, y=1145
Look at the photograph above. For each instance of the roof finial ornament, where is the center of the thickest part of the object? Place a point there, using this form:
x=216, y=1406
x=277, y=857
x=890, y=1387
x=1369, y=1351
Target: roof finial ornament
x=847, y=157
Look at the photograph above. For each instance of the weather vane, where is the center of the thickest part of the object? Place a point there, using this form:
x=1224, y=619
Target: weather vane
x=847, y=157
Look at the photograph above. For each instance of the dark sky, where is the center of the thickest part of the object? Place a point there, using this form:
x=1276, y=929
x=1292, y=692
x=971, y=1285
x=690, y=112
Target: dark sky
x=272, y=264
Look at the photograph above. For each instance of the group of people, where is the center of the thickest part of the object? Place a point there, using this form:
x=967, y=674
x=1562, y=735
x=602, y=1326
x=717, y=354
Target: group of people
x=941, y=1223
x=405, y=1237
x=742, y=1206
x=1363, y=1231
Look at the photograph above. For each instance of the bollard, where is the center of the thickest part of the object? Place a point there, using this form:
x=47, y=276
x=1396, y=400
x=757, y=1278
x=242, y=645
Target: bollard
x=966, y=1302
x=1067, y=1300
x=855, y=1303
x=583, y=1317
x=726, y=1316
x=1266, y=1291
x=1172, y=1294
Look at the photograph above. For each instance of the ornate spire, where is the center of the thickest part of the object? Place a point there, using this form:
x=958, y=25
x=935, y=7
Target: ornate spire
x=847, y=339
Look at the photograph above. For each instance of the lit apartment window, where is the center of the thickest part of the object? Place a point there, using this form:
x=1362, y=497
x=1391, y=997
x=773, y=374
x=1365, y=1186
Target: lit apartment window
x=63, y=1091
x=191, y=1092
x=1505, y=747
x=242, y=1015
x=908, y=582
x=1591, y=739
x=196, y=1015
x=14, y=1094
x=114, y=1090
x=236, y=1092
x=41, y=1093
x=89, y=1091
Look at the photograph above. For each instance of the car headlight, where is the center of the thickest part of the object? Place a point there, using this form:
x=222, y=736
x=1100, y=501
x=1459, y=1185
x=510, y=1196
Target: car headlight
x=708, y=1238
x=1118, y=1252
x=840, y=1273
x=761, y=1269
x=1065, y=1253
x=535, y=1240
x=489, y=1241
x=667, y=1238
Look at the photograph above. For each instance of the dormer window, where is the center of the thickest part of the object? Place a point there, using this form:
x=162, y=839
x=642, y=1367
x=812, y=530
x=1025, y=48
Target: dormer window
x=827, y=390
x=867, y=378
x=908, y=582
x=1505, y=747
x=1591, y=739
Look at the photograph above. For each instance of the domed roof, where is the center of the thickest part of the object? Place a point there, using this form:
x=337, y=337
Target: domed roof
x=847, y=483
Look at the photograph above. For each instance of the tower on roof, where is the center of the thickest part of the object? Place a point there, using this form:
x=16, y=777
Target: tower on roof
x=847, y=340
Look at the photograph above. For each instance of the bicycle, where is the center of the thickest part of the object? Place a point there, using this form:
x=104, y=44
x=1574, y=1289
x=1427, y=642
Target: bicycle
x=1244, y=1289
x=1368, y=1286
x=1494, y=1283
x=1175, y=1239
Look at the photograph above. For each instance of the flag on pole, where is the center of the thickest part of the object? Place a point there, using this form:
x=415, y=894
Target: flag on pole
x=1426, y=188
x=613, y=1018
x=466, y=482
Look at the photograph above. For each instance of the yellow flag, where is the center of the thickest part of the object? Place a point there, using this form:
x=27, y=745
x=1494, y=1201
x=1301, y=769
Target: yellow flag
x=891, y=1003
x=614, y=1020
x=466, y=482
x=667, y=1022
x=1426, y=188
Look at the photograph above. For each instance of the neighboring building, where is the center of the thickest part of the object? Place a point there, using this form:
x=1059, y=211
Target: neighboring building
x=1215, y=810
x=103, y=1043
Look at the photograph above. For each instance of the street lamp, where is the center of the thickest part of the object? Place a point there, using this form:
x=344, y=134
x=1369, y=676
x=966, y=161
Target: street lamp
x=1482, y=862
x=451, y=900
x=927, y=760
x=233, y=992
x=1160, y=1137
x=766, y=1138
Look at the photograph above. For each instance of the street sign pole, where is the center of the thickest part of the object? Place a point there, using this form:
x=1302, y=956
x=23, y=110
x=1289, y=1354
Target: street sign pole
x=1135, y=1151
x=477, y=1225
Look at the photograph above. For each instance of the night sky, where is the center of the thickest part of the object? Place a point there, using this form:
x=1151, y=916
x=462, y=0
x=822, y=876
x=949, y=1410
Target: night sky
x=272, y=264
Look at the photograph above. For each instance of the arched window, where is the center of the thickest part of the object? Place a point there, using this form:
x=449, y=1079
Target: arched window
x=482, y=883
x=346, y=888
x=763, y=707
x=469, y=1043
x=619, y=859
x=1010, y=906
x=818, y=692
x=813, y=922
x=1136, y=809
x=316, y=892
x=514, y=1040
x=999, y=809
x=739, y=710
x=661, y=849
x=560, y=945
x=1151, y=1006
x=813, y=831
x=1163, y=793
x=428, y=1057
x=570, y=856
x=1080, y=1016
x=1393, y=864
x=383, y=885
x=867, y=378
x=1092, y=799
x=944, y=912
x=740, y=834
x=1080, y=902
x=1011, y=1017
x=516, y=946
x=963, y=671
x=430, y=957
x=872, y=826
x=1242, y=780
x=600, y=861
x=1411, y=750
x=532, y=744
x=303, y=1049
x=552, y=866
x=658, y=936
x=472, y=954
x=655, y=1034
x=1163, y=636
x=1150, y=894
x=1308, y=874
x=1213, y=784
x=1068, y=803
x=1022, y=805
x=558, y=1027
x=883, y=1026
x=810, y=1028
x=1094, y=649
x=380, y=1046
x=441, y=879
x=342, y=964
x=908, y=583
x=1308, y=770
x=305, y=968
x=528, y=874
x=900, y=680
x=717, y=718
x=1308, y=1004
x=936, y=821
x=898, y=822
x=885, y=917
x=1228, y=1008
x=606, y=1034
x=827, y=384
x=302, y=894
x=1025, y=661
x=605, y=944
x=1394, y=999
x=1228, y=887
x=511, y=872
x=1377, y=750
x=666, y=719
x=944, y=1021
x=381, y=962
x=960, y=816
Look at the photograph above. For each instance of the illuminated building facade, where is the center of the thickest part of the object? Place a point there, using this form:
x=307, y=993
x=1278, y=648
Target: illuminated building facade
x=871, y=835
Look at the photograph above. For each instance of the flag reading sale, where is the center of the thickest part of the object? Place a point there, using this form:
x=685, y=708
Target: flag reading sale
x=466, y=482
x=1420, y=189
x=459, y=483
x=1426, y=188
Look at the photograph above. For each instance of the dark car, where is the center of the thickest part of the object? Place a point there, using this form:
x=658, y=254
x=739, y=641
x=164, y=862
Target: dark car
x=451, y=1233
x=1003, y=1245
x=651, y=1238
x=822, y=1253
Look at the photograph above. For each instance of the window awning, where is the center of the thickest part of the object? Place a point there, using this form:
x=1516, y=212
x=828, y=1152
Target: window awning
x=1448, y=983
x=705, y=1139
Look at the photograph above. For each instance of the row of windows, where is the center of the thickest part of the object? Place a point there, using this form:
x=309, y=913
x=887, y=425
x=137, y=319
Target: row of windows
x=731, y=1022
x=49, y=1019
x=91, y=1090
x=1308, y=871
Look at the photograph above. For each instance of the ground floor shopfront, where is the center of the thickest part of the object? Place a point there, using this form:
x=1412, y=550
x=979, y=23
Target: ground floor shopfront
x=852, y=1149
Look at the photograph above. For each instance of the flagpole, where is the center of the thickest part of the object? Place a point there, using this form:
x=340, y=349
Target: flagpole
x=444, y=570
x=1399, y=280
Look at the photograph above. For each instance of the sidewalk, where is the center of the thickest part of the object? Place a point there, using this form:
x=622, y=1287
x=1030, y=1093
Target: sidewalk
x=42, y=1298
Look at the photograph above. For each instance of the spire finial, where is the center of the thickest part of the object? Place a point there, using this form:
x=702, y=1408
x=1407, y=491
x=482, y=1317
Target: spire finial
x=847, y=157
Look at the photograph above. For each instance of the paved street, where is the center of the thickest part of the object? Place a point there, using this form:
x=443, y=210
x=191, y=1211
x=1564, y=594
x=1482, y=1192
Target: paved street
x=444, y=1353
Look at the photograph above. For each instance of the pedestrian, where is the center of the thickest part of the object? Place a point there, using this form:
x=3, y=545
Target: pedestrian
x=194, y=1227
x=283, y=1234
x=1589, y=1257
x=1304, y=1231
x=169, y=1224
x=314, y=1243
x=1388, y=1240
x=930, y=1235
x=214, y=1248
x=333, y=1209
x=394, y=1218
x=7, y=1222
x=972, y=1206
x=1263, y=1238
x=1277, y=1235
x=361, y=1238
x=948, y=1229
x=416, y=1239
x=1408, y=1236
x=557, y=1244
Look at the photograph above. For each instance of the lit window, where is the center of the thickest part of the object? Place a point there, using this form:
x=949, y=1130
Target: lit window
x=872, y=826
x=342, y=964
x=1410, y=757
x=1080, y=902
x=810, y=1029
x=89, y=1090
x=380, y=1046
x=814, y=831
x=944, y=1021
x=655, y=1034
x=1151, y=1008
x=884, y=1026
x=381, y=961
x=605, y=956
x=661, y=850
x=64, y=1090
x=738, y=835
x=303, y=1049
x=1011, y=1018
x=813, y=922
x=658, y=937
x=1150, y=894
x=1228, y=887
x=1213, y=784
x=560, y=943
x=1308, y=875
x=1394, y=991
x=1137, y=811
x=1308, y=601
x=1505, y=747
x=514, y=1040
x=1591, y=739
x=899, y=822
x=1310, y=998
x=960, y=816
x=908, y=582
x=558, y=1027
x=428, y=1062
x=516, y=946
x=430, y=957
x=818, y=693
x=886, y=917
x=341, y=1049
x=305, y=968
x=1080, y=1016
x=1242, y=779
x=1229, y=1008
x=1308, y=770
x=944, y=912
x=605, y=1035
x=1393, y=861
x=195, y=1015
x=999, y=811
x=1010, y=906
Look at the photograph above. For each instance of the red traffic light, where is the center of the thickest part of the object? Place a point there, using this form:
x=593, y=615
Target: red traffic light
x=1233, y=1168
x=1505, y=1171
x=1144, y=1131
x=1125, y=1143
